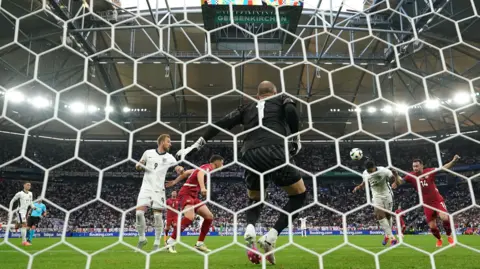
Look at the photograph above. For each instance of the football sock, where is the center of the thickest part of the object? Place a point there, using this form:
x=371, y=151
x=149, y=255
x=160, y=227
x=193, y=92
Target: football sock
x=446, y=226
x=140, y=218
x=403, y=229
x=204, y=229
x=294, y=203
x=185, y=223
x=386, y=228
x=24, y=234
x=253, y=213
x=30, y=235
x=390, y=222
x=272, y=235
x=158, y=224
x=436, y=233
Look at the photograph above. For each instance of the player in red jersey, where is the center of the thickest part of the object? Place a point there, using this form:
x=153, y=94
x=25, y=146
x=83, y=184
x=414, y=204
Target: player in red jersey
x=188, y=199
x=431, y=197
x=171, y=215
x=402, y=222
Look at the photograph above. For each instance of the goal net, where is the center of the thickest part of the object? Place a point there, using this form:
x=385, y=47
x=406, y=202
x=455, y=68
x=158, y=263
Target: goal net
x=87, y=86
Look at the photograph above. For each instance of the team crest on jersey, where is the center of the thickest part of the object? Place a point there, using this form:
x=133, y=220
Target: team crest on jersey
x=164, y=160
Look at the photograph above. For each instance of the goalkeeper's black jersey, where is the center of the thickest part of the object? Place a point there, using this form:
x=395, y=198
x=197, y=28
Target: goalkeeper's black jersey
x=279, y=115
x=274, y=119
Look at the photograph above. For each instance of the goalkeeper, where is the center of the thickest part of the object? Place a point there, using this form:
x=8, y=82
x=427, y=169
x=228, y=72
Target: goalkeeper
x=263, y=150
x=34, y=218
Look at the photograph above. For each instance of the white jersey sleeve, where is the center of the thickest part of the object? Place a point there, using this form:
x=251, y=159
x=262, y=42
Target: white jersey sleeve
x=26, y=200
x=15, y=198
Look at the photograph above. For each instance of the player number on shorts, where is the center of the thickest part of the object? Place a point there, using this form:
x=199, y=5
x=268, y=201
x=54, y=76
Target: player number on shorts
x=423, y=183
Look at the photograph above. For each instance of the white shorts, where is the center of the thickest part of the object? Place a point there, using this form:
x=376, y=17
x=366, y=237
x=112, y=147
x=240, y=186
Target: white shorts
x=385, y=202
x=303, y=227
x=152, y=199
x=21, y=217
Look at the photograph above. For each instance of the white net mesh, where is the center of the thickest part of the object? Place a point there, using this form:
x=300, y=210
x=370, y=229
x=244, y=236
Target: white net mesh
x=89, y=85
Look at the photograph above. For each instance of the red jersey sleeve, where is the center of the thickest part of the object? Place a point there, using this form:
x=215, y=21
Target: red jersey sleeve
x=169, y=202
x=408, y=178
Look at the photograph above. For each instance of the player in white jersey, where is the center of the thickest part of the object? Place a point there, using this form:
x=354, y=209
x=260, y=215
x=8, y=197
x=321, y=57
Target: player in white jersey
x=303, y=225
x=25, y=198
x=156, y=163
x=379, y=178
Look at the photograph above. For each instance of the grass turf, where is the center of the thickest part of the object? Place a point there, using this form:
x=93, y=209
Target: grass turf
x=122, y=257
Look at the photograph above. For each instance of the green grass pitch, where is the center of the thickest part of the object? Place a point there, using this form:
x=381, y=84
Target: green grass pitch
x=122, y=257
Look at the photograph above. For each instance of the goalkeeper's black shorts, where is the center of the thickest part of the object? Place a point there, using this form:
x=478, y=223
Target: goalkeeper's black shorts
x=266, y=158
x=33, y=221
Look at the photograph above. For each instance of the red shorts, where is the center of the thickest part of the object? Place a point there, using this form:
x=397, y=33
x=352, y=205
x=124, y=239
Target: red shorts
x=186, y=199
x=432, y=214
x=172, y=221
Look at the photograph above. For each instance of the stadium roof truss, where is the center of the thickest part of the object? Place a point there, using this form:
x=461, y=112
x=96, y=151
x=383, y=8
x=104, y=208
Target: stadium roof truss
x=161, y=37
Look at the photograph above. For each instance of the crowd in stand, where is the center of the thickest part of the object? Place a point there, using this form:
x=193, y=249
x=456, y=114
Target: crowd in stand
x=229, y=193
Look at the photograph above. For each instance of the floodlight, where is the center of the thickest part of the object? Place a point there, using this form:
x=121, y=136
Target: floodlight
x=461, y=98
x=92, y=108
x=387, y=109
x=401, y=108
x=39, y=102
x=109, y=109
x=77, y=107
x=126, y=109
x=371, y=109
x=15, y=96
x=432, y=104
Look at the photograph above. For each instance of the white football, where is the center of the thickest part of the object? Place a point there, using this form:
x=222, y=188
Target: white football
x=356, y=154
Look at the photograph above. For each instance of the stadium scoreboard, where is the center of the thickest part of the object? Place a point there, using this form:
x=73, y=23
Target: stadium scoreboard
x=249, y=14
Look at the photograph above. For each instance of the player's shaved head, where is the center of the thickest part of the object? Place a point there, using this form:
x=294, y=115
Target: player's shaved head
x=266, y=88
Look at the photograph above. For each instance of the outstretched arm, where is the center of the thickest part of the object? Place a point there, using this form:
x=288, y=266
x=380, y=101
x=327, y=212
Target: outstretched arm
x=231, y=120
x=182, y=176
x=359, y=187
x=397, y=180
x=452, y=162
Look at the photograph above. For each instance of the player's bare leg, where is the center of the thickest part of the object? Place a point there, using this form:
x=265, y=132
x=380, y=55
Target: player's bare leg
x=23, y=232
x=141, y=226
x=383, y=220
x=448, y=229
x=158, y=225
x=167, y=229
x=207, y=216
x=189, y=215
x=435, y=232
x=296, y=199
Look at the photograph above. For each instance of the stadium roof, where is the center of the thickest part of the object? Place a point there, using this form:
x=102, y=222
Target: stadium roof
x=447, y=55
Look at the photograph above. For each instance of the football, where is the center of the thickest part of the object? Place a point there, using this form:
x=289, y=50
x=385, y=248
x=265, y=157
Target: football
x=356, y=154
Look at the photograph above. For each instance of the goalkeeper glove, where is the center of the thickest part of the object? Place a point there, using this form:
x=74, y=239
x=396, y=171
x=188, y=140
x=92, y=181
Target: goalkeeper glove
x=295, y=146
x=195, y=147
